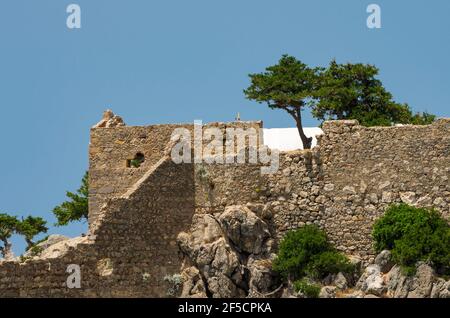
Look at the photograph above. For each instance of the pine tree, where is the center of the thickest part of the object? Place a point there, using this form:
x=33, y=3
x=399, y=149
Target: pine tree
x=76, y=208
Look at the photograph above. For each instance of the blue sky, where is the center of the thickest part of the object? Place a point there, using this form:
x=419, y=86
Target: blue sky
x=176, y=61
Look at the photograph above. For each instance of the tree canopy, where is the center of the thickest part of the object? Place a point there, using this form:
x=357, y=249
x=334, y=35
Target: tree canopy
x=8, y=225
x=76, y=208
x=352, y=91
x=288, y=85
x=339, y=91
x=28, y=227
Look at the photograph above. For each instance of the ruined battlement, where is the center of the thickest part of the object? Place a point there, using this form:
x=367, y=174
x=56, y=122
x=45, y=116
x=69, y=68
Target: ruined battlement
x=113, y=148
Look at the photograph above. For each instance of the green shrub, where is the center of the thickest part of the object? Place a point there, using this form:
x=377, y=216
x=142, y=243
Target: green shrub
x=306, y=251
x=297, y=250
x=309, y=290
x=329, y=262
x=414, y=234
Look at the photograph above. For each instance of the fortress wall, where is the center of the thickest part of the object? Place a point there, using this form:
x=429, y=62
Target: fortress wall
x=371, y=168
x=110, y=148
x=344, y=184
x=47, y=277
x=138, y=232
x=130, y=250
x=217, y=186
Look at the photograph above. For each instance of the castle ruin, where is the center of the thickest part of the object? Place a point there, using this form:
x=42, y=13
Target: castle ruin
x=140, y=200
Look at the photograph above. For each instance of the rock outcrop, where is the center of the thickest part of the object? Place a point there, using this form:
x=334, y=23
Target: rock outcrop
x=385, y=279
x=245, y=230
x=224, y=260
x=109, y=120
x=55, y=246
x=44, y=245
x=227, y=255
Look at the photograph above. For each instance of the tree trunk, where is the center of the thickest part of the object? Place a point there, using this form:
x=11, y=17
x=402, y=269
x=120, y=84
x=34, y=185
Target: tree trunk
x=7, y=251
x=307, y=141
x=30, y=243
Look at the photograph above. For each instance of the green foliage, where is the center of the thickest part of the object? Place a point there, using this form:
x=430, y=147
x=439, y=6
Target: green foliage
x=285, y=85
x=422, y=119
x=352, y=91
x=340, y=91
x=8, y=225
x=329, y=262
x=306, y=251
x=36, y=250
x=45, y=238
x=309, y=290
x=76, y=208
x=135, y=163
x=288, y=85
x=297, y=250
x=414, y=234
x=30, y=227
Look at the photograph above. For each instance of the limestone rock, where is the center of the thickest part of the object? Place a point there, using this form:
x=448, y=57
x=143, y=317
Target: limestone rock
x=214, y=258
x=384, y=261
x=328, y=292
x=204, y=229
x=441, y=289
x=247, y=231
x=61, y=248
x=262, y=278
x=256, y=208
x=193, y=286
x=422, y=283
x=340, y=282
x=356, y=262
x=110, y=120
x=397, y=283
x=51, y=240
x=371, y=282
x=221, y=286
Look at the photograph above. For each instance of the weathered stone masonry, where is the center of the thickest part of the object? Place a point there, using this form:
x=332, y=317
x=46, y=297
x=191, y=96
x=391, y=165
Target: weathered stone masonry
x=342, y=185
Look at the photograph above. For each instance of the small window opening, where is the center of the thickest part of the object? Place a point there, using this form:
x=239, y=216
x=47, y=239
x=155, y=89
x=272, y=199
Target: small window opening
x=137, y=161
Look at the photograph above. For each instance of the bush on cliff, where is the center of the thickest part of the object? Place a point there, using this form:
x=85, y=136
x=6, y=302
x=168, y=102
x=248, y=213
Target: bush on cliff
x=414, y=234
x=306, y=288
x=307, y=252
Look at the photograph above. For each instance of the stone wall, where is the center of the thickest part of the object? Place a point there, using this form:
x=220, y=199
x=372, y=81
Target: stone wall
x=370, y=168
x=130, y=249
x=111, y=148
x=343, y=185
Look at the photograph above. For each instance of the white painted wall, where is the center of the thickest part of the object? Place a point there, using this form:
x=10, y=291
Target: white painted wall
x=286, y=139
